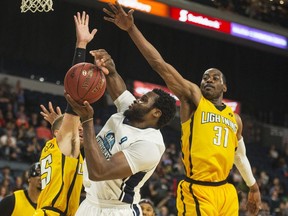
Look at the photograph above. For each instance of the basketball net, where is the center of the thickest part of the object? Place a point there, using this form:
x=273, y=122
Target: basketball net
x=36, y=5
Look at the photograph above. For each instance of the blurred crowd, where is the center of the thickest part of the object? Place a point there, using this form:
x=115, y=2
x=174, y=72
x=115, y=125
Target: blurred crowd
x=270, y=11
x=23, y=132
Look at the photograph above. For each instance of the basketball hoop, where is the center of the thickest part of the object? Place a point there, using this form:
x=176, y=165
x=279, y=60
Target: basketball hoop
x=36, y=5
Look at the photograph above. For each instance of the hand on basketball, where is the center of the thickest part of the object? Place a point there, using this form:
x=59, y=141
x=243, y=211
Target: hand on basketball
x=82, y=30
x=84, y=111
x=119, y=17
x=103, y=61
x=50, y=115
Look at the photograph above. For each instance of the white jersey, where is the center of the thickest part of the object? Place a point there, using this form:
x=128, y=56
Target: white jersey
x=142, y=148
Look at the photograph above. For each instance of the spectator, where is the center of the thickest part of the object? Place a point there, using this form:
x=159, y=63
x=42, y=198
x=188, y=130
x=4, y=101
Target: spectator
x=18, y=183
x=147, y=207
x=3, y=192
x=2, y=120
x=32, y=151
x=34, y=120
x=8, y=145
x=43, y=133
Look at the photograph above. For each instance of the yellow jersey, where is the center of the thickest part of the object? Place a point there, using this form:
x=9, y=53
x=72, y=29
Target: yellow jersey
x=209, y=142
x=23, y=204
x=61, y=179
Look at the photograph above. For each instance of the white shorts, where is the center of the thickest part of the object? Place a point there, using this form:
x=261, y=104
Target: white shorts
x=87, y=208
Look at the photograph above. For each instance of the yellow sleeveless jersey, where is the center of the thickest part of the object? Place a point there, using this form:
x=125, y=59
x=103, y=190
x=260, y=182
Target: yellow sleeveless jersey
x=209, y=142
x=61, y=179
x=22, y=204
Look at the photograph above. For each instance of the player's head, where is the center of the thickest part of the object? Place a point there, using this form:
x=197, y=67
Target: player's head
x=147, y=207
x=57, y=124
x=213, y=84
x=34, y=176
x=155, y=107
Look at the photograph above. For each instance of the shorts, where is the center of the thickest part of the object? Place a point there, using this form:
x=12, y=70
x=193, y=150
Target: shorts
x=89, y=208
x=195, y=199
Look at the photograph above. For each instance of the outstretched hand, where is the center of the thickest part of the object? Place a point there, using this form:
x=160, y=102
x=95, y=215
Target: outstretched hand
x=50, y=115
x=84, y=36
x=85, y=111
x=119, y=17
x=103, y=61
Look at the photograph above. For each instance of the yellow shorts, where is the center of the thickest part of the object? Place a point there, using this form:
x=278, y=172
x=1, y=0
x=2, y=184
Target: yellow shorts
x=196, y=200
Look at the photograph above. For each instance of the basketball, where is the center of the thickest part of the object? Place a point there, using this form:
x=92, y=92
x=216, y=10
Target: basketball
x=85, y=81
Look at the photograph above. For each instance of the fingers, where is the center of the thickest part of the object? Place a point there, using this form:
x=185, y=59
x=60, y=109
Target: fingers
x=86, y=19
x=119, y=8
x=113, y=8
x=81, y=18
x=109, y=13
x=109, y=19
x=89, y=108
x=50, y=106
x=99, y=54
x=58, y=110
x=93, y=32
x=130, y=13
x=44, y=110
x=71, y=101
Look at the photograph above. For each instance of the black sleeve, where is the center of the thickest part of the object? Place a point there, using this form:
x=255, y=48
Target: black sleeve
x=79, y=56
x=7, y=205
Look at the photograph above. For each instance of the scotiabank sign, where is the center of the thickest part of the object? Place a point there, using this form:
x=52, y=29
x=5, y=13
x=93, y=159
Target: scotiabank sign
x=147, y=6
x=141, y=88
x=201, y=20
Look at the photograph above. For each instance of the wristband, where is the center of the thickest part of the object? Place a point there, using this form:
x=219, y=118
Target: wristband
x=90, y=119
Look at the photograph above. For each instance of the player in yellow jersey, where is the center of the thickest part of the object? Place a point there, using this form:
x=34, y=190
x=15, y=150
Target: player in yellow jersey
x=23, y=201
x=61, y=161
x=211, y=133
x=61, y=169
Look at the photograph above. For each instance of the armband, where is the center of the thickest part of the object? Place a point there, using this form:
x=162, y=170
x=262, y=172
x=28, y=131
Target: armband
x=243, y=165
x=79, y=56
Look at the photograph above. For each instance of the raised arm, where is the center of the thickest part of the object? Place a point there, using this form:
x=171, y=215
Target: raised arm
x=99, y=168
x=83, y=35
x=68, y=134
x=181, y=87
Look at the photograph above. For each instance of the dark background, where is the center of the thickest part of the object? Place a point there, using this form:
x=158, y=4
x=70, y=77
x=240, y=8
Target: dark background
x=43, y=44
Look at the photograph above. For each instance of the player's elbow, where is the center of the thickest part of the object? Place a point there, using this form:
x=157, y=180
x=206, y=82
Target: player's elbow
x=96, y=174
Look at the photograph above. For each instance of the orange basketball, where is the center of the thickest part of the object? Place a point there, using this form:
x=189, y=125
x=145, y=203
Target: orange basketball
x=85, y=81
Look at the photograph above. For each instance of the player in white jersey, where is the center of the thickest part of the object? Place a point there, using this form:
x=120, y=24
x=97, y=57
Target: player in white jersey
x=127, y=150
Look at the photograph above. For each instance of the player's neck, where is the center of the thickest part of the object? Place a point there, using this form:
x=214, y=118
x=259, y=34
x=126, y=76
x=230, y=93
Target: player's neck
x=33, y=194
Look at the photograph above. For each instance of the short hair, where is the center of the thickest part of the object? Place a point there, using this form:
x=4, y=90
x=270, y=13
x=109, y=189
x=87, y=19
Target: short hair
x=167, y=104
x=148, y=201
x=57, y=123
x=223, y=76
